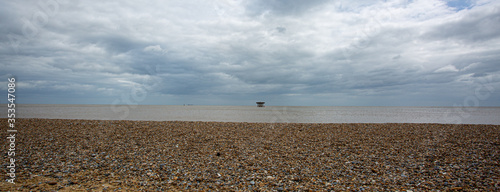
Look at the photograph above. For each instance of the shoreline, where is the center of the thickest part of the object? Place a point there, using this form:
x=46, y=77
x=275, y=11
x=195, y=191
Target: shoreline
x=268, y=114
x=73, y=154
x=203, y=121
x=215, y=121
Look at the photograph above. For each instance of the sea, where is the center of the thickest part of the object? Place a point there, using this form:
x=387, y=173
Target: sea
x=268, y=114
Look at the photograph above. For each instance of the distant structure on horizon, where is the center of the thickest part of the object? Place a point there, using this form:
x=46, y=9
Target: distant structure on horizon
x=260, y=103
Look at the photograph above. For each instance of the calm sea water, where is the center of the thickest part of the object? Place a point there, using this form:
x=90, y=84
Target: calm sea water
x=271, y=114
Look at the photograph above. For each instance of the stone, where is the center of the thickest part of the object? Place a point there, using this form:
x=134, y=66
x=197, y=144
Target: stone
x=229, y=156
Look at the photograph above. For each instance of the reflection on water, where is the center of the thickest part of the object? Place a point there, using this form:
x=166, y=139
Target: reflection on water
x=481, y=115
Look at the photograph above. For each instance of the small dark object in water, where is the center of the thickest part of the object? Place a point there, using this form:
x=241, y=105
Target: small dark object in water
x=260, y=103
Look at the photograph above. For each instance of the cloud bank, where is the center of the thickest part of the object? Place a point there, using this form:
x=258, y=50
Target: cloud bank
x=320, y=52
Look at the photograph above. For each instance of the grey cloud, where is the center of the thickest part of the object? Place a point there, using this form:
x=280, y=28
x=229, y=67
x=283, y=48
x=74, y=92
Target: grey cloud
x=479, y=25
x=295, y=52
x=282, y=7
x=114, y=43
x=281, y=29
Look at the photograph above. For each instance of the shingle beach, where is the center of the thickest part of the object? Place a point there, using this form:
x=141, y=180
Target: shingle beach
x=111, y=155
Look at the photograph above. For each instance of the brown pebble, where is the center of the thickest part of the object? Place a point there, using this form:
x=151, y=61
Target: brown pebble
x=178, y=156
x=117, y=181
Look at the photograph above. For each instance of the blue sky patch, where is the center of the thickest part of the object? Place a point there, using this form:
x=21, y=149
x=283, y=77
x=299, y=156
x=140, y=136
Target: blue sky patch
x=459, y=4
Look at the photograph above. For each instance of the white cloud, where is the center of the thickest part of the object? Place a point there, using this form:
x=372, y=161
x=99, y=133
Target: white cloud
x=154, y=48
x=447, y=68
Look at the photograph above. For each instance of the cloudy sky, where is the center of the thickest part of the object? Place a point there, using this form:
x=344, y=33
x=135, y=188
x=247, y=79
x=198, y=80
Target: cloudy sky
x=234, y=52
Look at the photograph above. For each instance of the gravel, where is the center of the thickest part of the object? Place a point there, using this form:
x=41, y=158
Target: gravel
x=71, y=155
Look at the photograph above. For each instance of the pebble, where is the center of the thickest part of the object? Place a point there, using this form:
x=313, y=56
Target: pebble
x=97, y=155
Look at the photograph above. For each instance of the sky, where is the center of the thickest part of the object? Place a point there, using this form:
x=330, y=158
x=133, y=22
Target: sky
x=235, y=52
